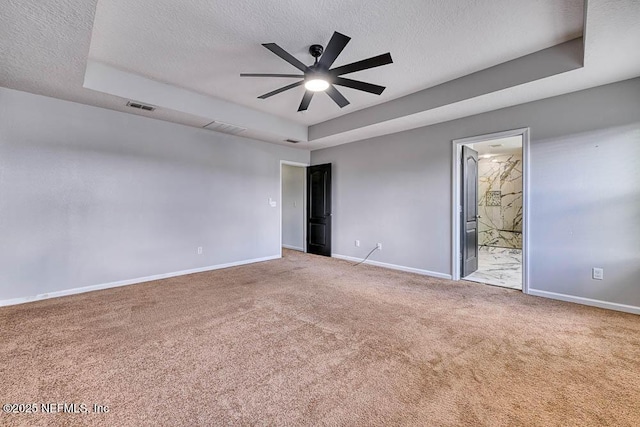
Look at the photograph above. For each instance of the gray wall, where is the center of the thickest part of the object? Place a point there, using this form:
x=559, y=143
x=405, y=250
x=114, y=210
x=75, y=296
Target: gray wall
x=91, y=196
x=293, y=199
x=585, y=192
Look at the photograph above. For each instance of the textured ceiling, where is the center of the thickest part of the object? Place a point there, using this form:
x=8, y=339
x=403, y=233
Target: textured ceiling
x=45, y=46
x=204, y=46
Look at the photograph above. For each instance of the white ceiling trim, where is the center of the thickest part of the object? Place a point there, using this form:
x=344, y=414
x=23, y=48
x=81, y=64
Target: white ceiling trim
x=555, y=60
x=369, y=122
x=107, y=79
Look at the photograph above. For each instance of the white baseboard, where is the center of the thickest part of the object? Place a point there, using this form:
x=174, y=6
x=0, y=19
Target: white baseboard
x=295, y=248
x=585, y=301
x=395, y=267
x=83, y=289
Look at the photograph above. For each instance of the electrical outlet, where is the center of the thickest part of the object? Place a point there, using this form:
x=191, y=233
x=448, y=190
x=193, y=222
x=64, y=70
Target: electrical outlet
x=379, y=246
x=357, y=243
x=597, y=273
x=199, y=250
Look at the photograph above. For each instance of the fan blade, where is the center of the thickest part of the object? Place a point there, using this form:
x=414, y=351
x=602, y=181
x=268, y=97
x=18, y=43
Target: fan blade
x=271, y=75
x=336, y=45
x=337, y=96
x=355, y=84
x=285, y=55
x=373, y=62
x=306, y=100
x=282, y=89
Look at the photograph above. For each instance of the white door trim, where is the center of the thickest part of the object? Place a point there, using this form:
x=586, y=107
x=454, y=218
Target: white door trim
x=455, y=199
x=304, y=207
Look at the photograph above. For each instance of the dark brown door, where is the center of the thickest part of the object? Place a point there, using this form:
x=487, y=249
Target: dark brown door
x=319, y=209
x=469, y=236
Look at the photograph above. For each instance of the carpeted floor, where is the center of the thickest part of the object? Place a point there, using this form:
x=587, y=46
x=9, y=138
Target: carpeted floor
x=309, y=340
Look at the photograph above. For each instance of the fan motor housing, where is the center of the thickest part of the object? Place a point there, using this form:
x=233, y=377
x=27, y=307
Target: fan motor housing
x=316, y=50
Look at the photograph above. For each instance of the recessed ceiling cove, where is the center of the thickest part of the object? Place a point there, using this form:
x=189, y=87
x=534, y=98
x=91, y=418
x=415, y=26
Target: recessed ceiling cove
x=204, y=46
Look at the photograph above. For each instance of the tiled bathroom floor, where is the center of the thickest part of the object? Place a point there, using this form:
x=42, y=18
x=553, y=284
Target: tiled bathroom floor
x=499, y=267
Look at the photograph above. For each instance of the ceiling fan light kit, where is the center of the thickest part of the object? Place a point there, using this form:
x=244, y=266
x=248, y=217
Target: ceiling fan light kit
x=319, y=77
x=316, y=85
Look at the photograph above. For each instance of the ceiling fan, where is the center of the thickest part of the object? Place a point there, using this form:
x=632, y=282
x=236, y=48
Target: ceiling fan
x=319, y=77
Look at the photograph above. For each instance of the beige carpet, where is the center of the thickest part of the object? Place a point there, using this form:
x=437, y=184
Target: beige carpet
x=309, y=340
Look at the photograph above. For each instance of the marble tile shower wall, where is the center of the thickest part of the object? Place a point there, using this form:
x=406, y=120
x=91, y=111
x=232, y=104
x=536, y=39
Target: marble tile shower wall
x=500, y=204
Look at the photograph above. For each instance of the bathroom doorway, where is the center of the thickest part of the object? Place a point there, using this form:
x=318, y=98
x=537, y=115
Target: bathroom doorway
x=490, y=209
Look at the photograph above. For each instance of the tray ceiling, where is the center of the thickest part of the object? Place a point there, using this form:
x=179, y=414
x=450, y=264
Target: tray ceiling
x=187, y=55
x=203, y=46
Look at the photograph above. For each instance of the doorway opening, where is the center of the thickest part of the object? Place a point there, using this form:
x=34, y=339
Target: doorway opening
x=305, y=208
x=293, y=209
x=490, y=185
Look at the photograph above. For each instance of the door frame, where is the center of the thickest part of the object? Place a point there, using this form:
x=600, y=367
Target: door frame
x=457, y=194
x=304, y=204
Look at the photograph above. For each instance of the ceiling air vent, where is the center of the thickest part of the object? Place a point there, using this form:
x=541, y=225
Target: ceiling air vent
x=140, y=106
x=293, y=141
x=224, y=128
